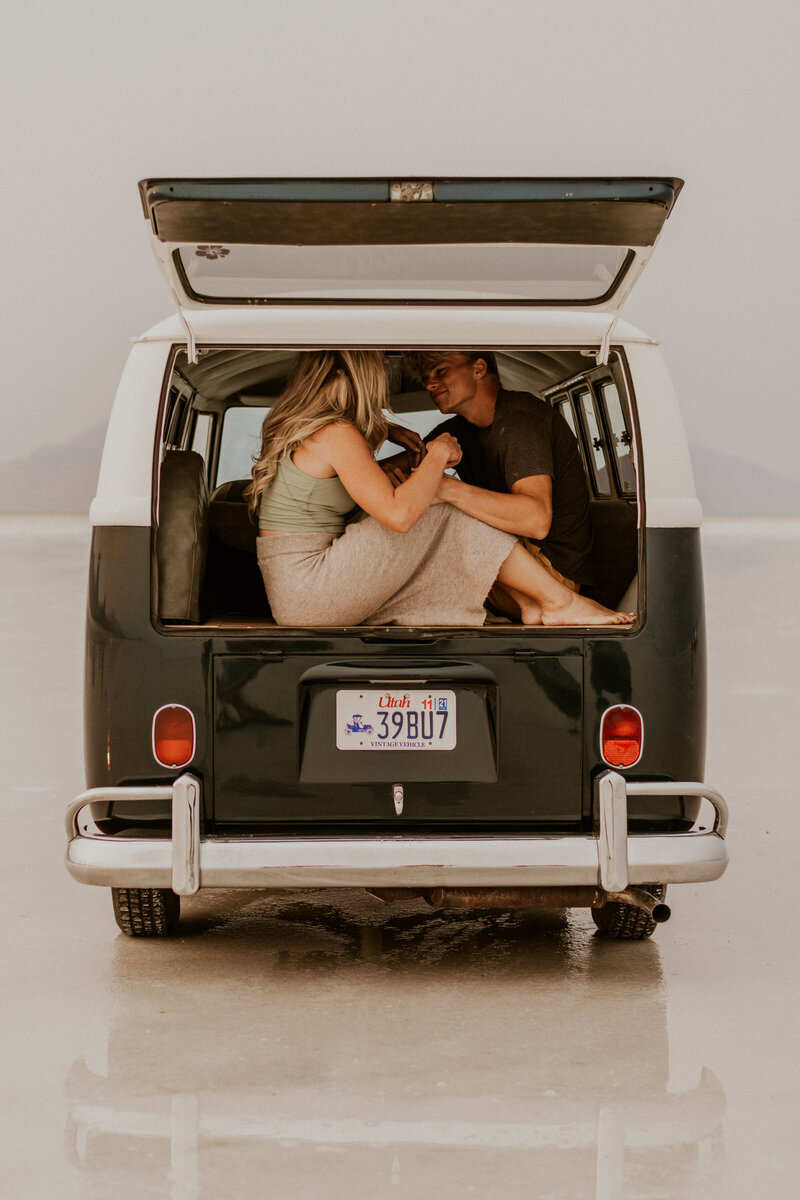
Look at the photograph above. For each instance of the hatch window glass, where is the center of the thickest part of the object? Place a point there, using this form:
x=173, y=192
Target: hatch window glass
x=596, y=444
x=621, y=438
x=543, y=273
x=241, y=442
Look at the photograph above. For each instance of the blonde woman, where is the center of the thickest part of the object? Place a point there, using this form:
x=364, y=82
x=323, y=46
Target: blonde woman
x=405, y=558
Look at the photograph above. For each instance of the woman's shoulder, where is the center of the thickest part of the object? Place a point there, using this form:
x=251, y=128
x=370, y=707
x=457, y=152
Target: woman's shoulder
x=337, y=433
x=329, y=448
x=339, y=426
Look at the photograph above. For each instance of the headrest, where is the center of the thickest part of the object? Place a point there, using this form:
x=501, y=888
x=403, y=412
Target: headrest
x=231, y=518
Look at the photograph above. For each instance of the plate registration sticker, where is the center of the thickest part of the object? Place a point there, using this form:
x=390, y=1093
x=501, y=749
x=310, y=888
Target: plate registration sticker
x=395, y=720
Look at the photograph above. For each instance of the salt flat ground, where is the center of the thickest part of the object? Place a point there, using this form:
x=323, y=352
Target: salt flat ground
x=310, y=1046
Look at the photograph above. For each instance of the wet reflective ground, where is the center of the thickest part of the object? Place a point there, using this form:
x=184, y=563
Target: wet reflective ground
x=319, y=1044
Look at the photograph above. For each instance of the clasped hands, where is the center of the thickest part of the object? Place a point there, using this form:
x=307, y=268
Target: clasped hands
x=400, y=466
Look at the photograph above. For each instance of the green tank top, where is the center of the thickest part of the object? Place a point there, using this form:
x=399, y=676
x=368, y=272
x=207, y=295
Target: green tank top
x=298, y=503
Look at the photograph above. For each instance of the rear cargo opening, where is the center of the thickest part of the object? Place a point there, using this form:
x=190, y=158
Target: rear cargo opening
x=289, y=719
x=206, y=574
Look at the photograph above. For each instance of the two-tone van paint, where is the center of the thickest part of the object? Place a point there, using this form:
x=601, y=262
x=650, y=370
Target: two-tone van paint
x=574, y=757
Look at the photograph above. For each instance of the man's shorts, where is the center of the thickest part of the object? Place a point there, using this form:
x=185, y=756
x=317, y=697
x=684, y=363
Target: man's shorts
x=537, y=552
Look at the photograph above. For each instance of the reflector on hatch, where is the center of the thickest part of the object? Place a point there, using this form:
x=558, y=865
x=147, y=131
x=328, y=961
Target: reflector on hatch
x=573, y=242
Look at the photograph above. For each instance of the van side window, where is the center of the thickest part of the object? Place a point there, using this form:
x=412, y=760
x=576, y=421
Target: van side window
x=202, y=427
x=620, y=438
x=596, y=443
x=178, y=416
x=241, y=442
x=564, y=407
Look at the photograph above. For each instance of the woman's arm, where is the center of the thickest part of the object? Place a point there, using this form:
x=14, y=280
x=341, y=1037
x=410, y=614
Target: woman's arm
x=397, y=508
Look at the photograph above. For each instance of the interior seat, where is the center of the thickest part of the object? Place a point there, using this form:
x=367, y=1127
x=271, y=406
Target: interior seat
x=615, y=550
x=182, y=536
x=233, y=579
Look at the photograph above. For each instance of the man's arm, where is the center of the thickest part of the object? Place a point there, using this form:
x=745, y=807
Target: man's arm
x=526, y=510
x=399, y=466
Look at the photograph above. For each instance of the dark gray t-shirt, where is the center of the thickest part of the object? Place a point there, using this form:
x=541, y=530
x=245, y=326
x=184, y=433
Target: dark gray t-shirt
x=528, y=437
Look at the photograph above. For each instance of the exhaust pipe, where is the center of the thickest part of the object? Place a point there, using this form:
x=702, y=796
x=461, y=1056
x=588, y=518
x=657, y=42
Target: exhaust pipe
x=656, y=909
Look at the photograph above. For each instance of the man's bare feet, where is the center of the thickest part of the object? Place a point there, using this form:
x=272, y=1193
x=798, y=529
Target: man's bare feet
x=580, y=610
x=545, y=600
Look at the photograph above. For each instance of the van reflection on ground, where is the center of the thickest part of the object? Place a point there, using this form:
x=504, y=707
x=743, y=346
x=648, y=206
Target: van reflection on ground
x=317, y=1042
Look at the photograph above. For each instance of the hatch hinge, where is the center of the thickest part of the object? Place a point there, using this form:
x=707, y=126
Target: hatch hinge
x=605, y=345
x=191, y=347
x=410, y=192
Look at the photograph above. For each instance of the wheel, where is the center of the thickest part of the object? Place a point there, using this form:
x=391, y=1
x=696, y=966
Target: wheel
x=625, y=921
x=146, y=912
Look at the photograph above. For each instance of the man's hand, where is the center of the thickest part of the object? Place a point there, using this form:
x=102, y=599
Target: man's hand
x=398, y=468
x=410, y=441
x=395, y=468
x=447, y=489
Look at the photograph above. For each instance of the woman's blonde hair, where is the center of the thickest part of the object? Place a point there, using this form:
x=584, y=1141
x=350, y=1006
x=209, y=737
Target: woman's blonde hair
x=325, y=386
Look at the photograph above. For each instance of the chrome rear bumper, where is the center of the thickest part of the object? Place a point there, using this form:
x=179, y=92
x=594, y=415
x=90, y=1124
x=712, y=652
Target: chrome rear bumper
x=611, y=859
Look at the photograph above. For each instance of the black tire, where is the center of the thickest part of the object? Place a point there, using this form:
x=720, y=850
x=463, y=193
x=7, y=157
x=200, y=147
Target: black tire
x=146, y=912
x=625, y=921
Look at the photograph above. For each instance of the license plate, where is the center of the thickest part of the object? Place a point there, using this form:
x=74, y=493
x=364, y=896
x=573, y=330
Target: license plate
x=395, y=720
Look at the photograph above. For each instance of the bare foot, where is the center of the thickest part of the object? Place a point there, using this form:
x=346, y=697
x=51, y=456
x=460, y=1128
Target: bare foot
x=531, y=613
x=580, y=610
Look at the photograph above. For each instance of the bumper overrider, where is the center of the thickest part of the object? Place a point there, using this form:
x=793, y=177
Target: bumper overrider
x=610, y=859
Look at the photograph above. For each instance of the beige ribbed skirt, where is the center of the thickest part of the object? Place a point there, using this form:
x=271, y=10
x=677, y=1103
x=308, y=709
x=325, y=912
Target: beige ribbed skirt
x=438, y=573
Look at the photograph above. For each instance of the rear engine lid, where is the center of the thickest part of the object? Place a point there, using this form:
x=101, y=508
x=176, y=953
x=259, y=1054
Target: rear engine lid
x=490, y=741
x=577, y=243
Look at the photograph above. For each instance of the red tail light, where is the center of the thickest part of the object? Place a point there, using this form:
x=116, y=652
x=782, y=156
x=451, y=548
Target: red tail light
x=621, y=736
x=173, y=736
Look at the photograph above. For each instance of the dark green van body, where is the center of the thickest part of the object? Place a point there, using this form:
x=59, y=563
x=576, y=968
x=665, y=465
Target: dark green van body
x=529, y=709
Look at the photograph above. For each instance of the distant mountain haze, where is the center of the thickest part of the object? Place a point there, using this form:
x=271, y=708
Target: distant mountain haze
x=63, y=479
x=57, y=479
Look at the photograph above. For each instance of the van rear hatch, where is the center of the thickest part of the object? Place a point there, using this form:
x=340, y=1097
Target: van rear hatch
x=484, y=738
x=557, y=242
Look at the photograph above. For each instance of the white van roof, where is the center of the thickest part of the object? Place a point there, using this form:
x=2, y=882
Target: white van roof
x=406, y=327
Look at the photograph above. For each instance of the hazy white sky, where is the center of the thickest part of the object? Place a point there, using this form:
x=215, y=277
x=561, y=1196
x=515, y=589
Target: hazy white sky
x=96, y=96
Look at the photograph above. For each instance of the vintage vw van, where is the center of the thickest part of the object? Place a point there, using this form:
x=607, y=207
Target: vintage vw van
x=226, y=751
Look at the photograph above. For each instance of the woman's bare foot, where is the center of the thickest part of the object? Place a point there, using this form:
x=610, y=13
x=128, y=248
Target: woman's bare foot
x=580, y=610
x=531, y=613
